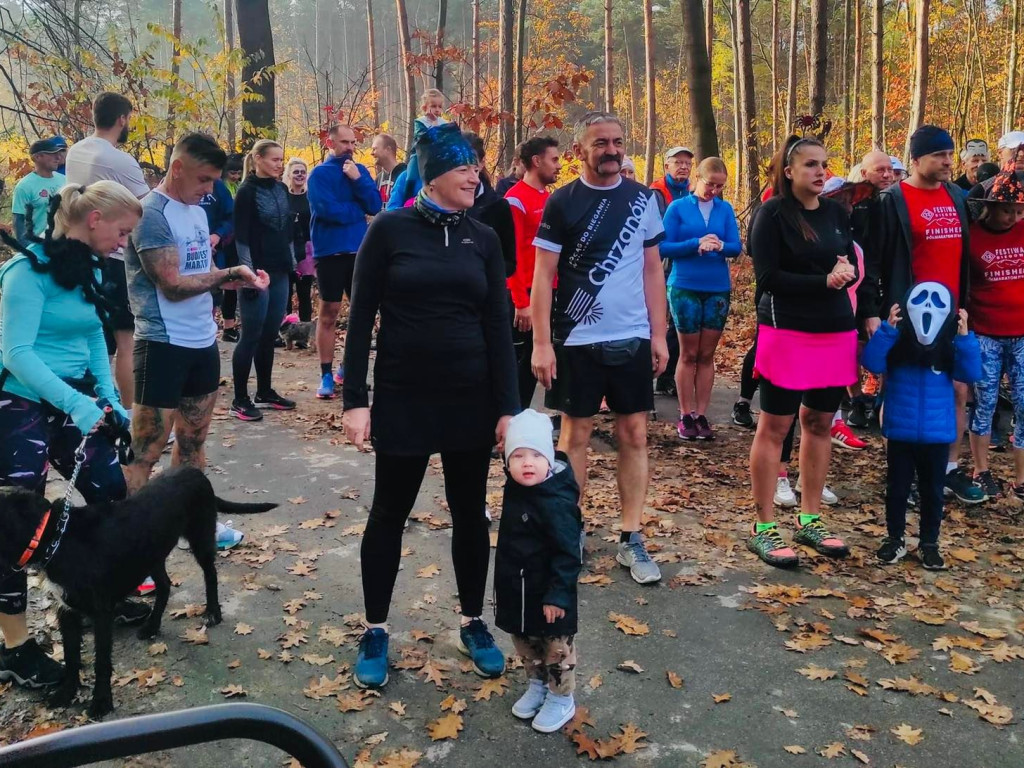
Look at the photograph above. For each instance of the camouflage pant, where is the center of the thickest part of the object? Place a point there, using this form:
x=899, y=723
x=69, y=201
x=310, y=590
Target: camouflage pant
x=551, y=660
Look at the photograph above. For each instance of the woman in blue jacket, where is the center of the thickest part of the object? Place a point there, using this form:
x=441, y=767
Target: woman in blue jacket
x=700, y=234
x=920, y=358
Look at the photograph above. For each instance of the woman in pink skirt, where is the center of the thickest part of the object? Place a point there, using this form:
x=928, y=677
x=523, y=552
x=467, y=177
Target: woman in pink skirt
x=804, y=260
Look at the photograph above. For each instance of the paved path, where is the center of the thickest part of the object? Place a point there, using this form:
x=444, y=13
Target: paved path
x=295, y=581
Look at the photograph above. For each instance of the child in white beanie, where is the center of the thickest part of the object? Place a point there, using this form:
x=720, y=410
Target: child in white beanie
x=536, y=567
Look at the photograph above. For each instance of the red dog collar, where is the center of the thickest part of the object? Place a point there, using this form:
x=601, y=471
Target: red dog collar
x=34, y=544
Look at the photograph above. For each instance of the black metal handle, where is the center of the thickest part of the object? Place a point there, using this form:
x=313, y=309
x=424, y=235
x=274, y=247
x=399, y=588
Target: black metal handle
x=170, y=730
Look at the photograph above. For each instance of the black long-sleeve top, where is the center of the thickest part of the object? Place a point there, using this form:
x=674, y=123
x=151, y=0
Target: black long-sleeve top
x=792, y=271
x=299, y=206
x=263, y=224
x=443, y=307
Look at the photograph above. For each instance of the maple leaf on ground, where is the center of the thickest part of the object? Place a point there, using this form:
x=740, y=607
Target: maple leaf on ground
x=580, y=720
x=907, y=734
x=595, y=682
x=721, y=698
x=196, y=636
x=428, y=572
x=308, y=525
x=317, y=661
x=976, y=628
x=324, y=687
x=795, y=749
x=878, y=634
x=157, y=649
x=234, y=664
x=298, y=500
x=628, y=625
x=962, y=554
x=293, y=639
x=725, y=758
x=629, y=738
x=275, y=530
x=355, y=701
x=243, y=629
x=962, y=664
x=488, y=687
x=301, y=568
x=446, y=727
x=264, y=654
x=900, y=653
x=814, y=672
x=674, y=680
x=434, y=673
x=991, y=713
x=232, y=691
x=807, y=641
x=398, y=708
x=405, y=758
x=630, y=666
x=833, y=750
x=585, y=745
x=597, y=579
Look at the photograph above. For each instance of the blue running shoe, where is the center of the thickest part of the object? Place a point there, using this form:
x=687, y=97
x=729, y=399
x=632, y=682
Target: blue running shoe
x=476, y=642
x=326, y=391
x=372, y=662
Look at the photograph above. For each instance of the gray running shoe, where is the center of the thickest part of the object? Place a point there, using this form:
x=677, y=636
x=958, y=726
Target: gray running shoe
x=633, y=555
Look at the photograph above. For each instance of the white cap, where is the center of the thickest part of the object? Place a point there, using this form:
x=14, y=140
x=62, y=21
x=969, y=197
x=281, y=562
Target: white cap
x=627, y=162
x=532, y=430
x=832, y=184
x=897, y=164
x=679, y=151
x=1011, y=140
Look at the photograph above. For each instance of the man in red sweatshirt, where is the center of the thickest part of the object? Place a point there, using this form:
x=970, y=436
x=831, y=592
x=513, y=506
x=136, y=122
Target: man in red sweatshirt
x=542, y=162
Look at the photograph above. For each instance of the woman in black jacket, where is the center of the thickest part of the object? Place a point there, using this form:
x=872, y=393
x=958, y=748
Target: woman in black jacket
x=444, y=382
x=263, y=238
x=301, y=277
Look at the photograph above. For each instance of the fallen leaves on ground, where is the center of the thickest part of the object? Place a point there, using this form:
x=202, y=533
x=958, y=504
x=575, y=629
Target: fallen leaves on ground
x=833, y=750
x=630, y=666
x=721, y=698
x=628, y=625
x=496, y=685
x=674, y=679
x=233, y=691
x=814, y=672
x=428, y=572
x=243, y=629
x=446, y=727
x=907, y=734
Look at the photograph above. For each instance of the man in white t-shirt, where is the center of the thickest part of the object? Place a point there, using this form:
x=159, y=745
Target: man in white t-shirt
x=168, y=264
x=96, y=158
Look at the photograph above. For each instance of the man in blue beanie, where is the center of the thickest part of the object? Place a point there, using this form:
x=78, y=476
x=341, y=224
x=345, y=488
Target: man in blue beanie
x=924, y=237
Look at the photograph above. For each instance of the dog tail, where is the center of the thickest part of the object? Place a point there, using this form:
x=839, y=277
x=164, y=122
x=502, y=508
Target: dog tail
x=242, y=508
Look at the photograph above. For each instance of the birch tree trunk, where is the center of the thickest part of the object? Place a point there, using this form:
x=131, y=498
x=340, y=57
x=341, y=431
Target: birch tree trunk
x=649, y=78
x=1010, y=110
x=609, y=60
x=749, y=106
x=702, y=111
x=877, y=81
x=506, y=59
x=409, y=83
x=794, y=20
x=917, y=103
x=371, y=48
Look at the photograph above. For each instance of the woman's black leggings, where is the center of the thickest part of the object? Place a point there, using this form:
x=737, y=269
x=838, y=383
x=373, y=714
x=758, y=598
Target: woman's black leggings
x=302, y=285
x=262, y=313
x=748, y=386
x=396, y=485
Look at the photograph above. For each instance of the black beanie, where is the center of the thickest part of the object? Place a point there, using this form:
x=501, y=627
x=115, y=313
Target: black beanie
x=929, y=139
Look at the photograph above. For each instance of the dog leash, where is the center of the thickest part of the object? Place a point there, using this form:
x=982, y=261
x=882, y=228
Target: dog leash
x=65, y=513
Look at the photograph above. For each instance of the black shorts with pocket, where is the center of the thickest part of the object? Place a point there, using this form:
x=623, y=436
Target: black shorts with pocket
x=165, y=373
x=115, y=291
x=334, y=275
x=779, y=401
x=618, y=371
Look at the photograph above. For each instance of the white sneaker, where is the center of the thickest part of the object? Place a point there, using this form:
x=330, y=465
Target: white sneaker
x=529, y=703
x=784, y=496
x=828, y=498
x=556, y=712
x=228, y=537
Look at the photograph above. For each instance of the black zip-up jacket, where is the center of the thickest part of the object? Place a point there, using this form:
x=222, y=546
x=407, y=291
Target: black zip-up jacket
x=896, y=241
x=263, y=225
x=864, y=223
x=539, y=555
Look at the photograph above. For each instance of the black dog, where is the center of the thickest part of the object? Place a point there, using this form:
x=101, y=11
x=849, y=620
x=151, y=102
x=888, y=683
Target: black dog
x=106, y=551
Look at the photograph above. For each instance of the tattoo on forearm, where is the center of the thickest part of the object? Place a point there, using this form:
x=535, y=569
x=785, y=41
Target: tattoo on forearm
x=161, y=266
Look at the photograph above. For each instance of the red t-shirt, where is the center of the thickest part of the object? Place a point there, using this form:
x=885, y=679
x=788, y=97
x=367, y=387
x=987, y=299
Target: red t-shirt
x=936, y=235
x=527, y=206
x=996, y=299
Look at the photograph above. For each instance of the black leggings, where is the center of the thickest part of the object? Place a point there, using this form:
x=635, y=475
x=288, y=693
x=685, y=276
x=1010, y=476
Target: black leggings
x=262, y=313
x=928, y=461
x=396, y=484
x=302, y=286
x=748, y=386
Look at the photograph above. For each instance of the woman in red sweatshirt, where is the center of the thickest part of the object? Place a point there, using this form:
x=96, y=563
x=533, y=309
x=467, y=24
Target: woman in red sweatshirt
x=997, y=316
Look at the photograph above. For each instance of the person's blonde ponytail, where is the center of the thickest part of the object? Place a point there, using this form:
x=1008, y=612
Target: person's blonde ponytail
x=259, y=149
x=76, y=202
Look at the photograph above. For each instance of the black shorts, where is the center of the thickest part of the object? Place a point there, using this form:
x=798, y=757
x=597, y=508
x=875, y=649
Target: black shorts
x=115, y=290
x=786, y=402
x=589, y=373
x=165, y=374
x=334, y=275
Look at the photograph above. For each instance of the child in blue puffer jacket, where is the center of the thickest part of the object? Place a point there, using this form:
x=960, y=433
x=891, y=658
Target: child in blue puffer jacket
x=920, y=358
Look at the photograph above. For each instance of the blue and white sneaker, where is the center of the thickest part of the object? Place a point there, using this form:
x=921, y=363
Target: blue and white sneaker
x=326, y=391
x=556, y=712
x=529, y=704
x=228, y=537
x=476, y=642
x=372, y=661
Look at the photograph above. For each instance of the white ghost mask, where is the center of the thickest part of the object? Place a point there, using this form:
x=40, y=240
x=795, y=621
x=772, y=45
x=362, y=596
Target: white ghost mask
x=928, y=307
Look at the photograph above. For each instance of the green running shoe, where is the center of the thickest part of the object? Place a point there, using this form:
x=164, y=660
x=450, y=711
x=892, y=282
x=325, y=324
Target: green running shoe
x=812, y=532
x=769, y=545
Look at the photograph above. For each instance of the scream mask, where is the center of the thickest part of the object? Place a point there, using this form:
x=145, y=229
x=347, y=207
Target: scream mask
x=927, y=328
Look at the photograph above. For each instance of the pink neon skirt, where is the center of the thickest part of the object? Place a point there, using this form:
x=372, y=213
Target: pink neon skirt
x=799, y=360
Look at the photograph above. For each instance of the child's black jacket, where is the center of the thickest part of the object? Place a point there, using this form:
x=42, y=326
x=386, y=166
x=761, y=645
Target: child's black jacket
x=539, y=554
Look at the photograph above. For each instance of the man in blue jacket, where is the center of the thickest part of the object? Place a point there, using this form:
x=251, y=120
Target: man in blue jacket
x=342, y=194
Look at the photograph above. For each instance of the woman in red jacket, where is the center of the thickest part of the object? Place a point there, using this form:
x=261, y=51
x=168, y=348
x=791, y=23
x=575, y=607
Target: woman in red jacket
x=997, y=315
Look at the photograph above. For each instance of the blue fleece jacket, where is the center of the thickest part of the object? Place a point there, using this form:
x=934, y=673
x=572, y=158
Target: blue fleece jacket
x=220, y=210
x=919, y=403
x=339, y=207
x=400, y=192
x=684, y=227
